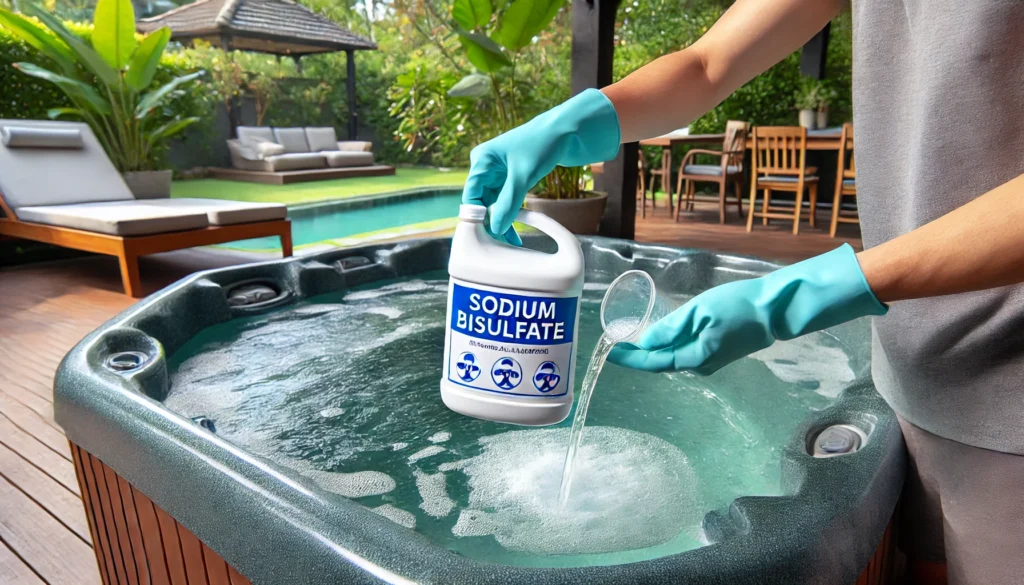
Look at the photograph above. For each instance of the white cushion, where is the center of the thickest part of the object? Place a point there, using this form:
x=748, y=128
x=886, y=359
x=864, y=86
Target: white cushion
x=222, y=212
x=296, y=161
x=119, y=218
x=355, y=145
x=293, y=139
x=322, y=138
x=255, y=134
x=16, y=136
x=710, y=170
x=31, y=177
x=264, y=149
x=346, y=158
x=785, y=179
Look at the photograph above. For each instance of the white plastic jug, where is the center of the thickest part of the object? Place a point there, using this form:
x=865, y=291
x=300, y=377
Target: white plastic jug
x=511, y=331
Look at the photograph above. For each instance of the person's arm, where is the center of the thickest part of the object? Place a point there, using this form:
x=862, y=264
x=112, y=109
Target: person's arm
x=750, y=37
x=975, y=247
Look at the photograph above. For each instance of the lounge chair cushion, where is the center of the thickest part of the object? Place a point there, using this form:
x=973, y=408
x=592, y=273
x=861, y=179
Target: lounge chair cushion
x=338, y=158
x=292, y=139
x=14, y=136
x=355, y=145
x=118, y=218
x=33, y=177
x=255, y=134
x=322, y=138
x=296, y=161
x=850, y=182
x=220, y=212
x=709, y=170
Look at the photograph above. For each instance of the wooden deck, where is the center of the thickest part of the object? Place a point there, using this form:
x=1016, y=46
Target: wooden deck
x=46, y=308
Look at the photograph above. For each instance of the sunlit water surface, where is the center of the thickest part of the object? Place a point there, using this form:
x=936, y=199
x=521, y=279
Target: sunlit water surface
x=344, y=391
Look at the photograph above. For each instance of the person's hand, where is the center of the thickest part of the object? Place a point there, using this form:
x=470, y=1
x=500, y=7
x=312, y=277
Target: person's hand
x=580, y=131
x=733, y=320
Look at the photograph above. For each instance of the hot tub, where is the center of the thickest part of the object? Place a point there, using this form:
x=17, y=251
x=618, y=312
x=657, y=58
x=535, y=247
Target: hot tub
x=281, y=423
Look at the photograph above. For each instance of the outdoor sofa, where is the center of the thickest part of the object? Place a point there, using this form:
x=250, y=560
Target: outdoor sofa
x=285, y=155
x=58, y=186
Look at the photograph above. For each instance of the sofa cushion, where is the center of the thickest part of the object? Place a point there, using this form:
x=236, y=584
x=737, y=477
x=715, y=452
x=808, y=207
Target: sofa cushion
x=118, y=218
x=292, y=139
x=296, y=161
x=346, y=158
x=355, y=145
x=222, y=212
x=322, y=138
x=16, y=136
x=31, y=177
x=266, y=149
x=255, y=134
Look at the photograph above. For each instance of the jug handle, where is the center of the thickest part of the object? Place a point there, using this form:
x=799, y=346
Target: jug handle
x=556, y=231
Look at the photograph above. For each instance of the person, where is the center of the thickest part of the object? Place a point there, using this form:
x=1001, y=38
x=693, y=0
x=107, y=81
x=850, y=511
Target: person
x=937, y=101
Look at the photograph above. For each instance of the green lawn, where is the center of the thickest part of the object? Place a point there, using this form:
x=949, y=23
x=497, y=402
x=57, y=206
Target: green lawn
x=407, y=178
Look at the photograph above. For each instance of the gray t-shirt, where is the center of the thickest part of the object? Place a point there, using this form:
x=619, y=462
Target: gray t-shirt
x=938, y=102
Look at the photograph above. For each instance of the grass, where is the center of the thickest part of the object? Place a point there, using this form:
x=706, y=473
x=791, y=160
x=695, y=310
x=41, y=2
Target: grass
x=404, y=178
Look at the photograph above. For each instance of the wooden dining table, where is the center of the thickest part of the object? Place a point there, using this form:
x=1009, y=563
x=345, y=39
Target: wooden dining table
x=824, y=139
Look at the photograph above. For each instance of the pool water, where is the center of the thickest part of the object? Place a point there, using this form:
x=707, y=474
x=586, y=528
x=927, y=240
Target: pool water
x=343, y=389
x=316, y=223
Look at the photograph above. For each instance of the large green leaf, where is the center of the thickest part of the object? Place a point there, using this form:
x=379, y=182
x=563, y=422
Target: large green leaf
x=113, y=34
x=482, y=52
x=170, y=129
x=153, y=98
x=38, y=38
x=473, y=85
x=83, y=93
x=146, y=58
x=524, y=20
x=471, y=14
x=85, y=54
x=56, y=113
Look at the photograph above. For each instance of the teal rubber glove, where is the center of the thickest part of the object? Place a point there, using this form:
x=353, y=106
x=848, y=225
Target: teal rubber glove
x=582, y=130
x=733, y=320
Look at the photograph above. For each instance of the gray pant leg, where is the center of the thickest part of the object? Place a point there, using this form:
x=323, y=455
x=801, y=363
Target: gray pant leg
x=978, y=495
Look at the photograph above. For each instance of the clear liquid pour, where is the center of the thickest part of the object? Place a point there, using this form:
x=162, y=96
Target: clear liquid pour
x=615, y=332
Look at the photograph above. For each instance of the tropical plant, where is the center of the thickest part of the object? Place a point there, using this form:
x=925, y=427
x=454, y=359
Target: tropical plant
x=107, y=80
x=492, y=41
x=808, y=95
x=563, y=183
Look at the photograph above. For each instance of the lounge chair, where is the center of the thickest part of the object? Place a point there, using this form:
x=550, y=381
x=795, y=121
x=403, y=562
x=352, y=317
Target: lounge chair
x=58, y=186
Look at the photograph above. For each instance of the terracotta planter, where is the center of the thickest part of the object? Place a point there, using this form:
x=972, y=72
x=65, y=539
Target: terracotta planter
x=807, y=119
x=149, y=184
x=579, y=216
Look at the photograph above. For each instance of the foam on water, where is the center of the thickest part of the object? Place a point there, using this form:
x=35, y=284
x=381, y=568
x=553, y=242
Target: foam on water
x=439, y=437
x=426, y=452
x=396, y=515
x=434, y=493
x=398, y=446
x=634, y=491
x=332, y=412
x=809, y=363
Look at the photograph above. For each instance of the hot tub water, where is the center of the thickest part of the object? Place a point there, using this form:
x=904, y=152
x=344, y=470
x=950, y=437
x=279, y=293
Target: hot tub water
x=343, y=390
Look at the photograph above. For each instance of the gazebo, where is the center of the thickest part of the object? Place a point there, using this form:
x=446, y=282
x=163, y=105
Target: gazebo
x=277, y=27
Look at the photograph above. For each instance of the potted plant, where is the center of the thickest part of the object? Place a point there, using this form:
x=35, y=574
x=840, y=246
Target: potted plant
x=108, y=82
x=825, y=97
x=562, y=196
x=806, y=100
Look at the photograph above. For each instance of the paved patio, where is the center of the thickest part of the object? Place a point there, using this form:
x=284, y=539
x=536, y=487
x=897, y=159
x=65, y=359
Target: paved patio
x=46, y=308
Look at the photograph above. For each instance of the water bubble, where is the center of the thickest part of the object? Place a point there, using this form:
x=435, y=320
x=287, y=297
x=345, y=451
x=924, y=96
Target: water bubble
x=439, y=437
x=396, y=515
x=434, y=493
x=425, y=452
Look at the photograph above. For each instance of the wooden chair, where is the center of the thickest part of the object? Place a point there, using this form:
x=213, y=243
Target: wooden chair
x=728, y=170
x=779, y=156
x=662, y=175
x=846, y=180
x=641, y=185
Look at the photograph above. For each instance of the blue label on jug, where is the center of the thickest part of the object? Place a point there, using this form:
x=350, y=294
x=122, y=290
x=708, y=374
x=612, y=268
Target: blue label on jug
x=510, y=343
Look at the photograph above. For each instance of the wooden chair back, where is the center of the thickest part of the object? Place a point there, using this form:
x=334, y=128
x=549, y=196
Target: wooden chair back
x=779, y=150
x=847, y=168
x=735, y=142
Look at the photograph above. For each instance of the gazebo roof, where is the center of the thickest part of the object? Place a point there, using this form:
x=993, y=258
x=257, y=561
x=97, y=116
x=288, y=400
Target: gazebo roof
x=279, y=27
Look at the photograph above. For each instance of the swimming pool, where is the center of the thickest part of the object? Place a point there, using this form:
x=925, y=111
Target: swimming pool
x=338, y=219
